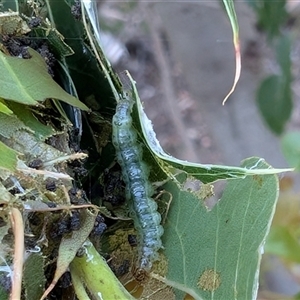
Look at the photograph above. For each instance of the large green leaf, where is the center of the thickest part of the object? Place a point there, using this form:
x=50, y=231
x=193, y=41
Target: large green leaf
x=27, y=81
x=215, y=254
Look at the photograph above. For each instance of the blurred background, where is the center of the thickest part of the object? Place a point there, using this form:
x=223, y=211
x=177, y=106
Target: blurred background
x=182, y=57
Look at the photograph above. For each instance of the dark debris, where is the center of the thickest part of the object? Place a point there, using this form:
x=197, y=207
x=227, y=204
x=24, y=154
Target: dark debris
x=99, y=226
x=76, y=10
x=77, y=196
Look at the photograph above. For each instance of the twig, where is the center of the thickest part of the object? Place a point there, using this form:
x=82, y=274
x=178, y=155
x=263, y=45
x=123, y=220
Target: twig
x=18, y=230
x=60, y=207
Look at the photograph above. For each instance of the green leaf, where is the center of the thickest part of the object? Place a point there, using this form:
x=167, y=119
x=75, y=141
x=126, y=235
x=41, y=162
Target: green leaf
x=8, y=159
x=26, y=143
x=4, y=109
x=25, y=115
x=229, y=6
x=271, y=15
x=33, y=276
x=283, y=243
x=27, y=81
x=274, y=96
x=9, y=125
x=290, y=144
x=215, y=254
x=70, y=245
x=274, y=100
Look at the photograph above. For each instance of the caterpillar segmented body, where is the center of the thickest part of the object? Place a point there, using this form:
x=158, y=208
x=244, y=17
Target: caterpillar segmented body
x=138, y=189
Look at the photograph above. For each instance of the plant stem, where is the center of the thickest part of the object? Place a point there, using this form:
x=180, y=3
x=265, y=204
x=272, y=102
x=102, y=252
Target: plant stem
x=97, y=276
x=78, y=285
x=18, y=230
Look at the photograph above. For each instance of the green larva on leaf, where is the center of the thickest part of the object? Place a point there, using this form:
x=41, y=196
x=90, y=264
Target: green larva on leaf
x=138, y=189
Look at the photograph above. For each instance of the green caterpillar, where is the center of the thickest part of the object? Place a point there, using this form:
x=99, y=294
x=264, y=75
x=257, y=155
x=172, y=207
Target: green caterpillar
x=138, y=189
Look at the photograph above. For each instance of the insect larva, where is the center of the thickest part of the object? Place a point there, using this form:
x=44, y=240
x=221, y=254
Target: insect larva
x=138, y=189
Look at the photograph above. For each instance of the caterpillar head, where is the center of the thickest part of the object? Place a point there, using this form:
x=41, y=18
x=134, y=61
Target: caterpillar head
x=140, y=275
